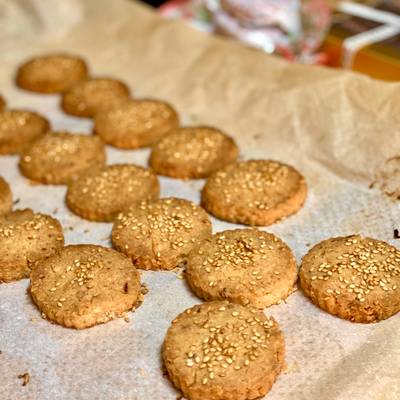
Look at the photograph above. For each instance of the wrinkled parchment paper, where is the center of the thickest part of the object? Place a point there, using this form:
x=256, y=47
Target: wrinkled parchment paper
x=336, y=127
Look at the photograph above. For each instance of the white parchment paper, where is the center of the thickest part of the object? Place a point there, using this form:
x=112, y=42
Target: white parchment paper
x=336, y=127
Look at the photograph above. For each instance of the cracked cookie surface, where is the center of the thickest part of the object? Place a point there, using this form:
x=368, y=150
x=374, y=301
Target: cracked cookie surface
x=160, y=234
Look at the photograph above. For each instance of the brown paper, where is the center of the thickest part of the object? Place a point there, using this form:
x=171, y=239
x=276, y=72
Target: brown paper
x=336, y=127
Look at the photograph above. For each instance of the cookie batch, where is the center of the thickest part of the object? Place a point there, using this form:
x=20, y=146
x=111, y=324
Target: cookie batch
x=225, y=348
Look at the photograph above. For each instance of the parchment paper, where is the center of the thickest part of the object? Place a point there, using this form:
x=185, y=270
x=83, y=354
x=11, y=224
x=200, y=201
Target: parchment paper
x=336, y=127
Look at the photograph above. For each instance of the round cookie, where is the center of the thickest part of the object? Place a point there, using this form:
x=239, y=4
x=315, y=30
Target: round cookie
x=26, y=237
x=85, y=285
x=137, y=123
x=255, y=192
x=2, y=104
x=60, y=157
x=6, y=201
x=102, y=194
x=160, y=234
x=94, y=95
x=51, y=73
x=244, y=266
x=223, y=351
x=19, y=128
x=192, y=153
x=353, y=277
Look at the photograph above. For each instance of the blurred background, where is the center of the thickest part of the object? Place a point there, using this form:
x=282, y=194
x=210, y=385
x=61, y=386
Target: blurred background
x=360, y=35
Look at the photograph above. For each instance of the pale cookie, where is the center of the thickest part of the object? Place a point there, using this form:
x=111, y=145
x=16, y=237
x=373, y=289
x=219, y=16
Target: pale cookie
x=223, y=351
x=6, y=201
x=85, y=285
x=160, y=234
x=59, y=157
x=91, y=96
x=19, y=128
x=192, y=153
x=26, y=237
x=51, y=73
x=255, y=192
x=243, y=266
x=354, y=278
x=102, y=194
x=135, y=124
x=2, y=104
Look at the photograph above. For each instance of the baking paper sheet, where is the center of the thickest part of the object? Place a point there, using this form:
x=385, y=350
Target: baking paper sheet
x=336, y=127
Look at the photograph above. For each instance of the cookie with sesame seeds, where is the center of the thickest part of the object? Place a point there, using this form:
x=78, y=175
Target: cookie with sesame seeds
x=25, y=238
x=85, y=285
x=223, y=351
x=244, y=266
x=54, y=73
x=2, y=104
x=137, y=123
x=160, y=234
x=6, y=201
x=91, y=96
x=193, y=152
x=19, y=128
x=255, y=192
x=353, y=277
x=59, y=157
x=100, y=195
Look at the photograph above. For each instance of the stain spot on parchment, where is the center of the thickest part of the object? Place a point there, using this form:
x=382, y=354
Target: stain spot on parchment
x=388, y=178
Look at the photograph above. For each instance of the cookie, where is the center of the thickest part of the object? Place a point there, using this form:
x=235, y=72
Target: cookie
x=85, y=285
x=244, y=266
x=255, y=192
x=91, y=96
x=2, y=104
x=353, y=277
x=135, y=124
x=59, y=157
x=26, y=237
x=102, y=194
x=19, y=128
x=160, y=234
x=51, y=73
x=192, y=153
x=6, y=201
x=223, y=351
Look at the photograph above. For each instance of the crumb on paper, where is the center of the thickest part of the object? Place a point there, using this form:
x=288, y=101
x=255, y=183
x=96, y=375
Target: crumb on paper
x=25, y=378
x=71, y=228
x=257, y=136
x=105, y=238
x=16, y=201
x=292, y=368
x=143, y=373
x=55, y=211
x=86, y=231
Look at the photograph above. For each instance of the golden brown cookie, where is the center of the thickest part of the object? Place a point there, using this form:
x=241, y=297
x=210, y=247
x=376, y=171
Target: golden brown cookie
x=255, y=192
x=101, y=195
x=26, y=237
x=19, y=128
x=91, y=96
x=137, y=123
x=194, y=152
x=223, y=351
x=6, y=201
x=60, y=157
x=85, y=285
x=51, y=73
x=2, y=104
x=244, y=266
x=353, y=277
x=160, y=234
